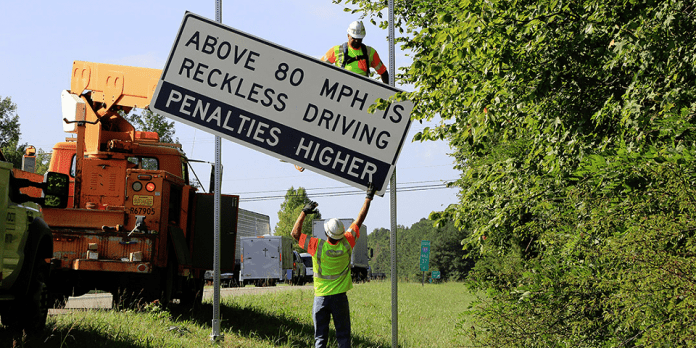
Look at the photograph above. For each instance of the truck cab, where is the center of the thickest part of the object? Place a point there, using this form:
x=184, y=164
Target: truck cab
x=25, y=245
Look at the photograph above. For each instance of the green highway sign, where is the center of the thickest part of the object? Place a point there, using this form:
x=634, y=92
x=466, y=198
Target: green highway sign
x=436, y=275
x=425, y=255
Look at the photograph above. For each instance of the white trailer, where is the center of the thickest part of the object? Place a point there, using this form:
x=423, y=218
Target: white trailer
x=360, y=257
x=265, y=259
x=251, y=224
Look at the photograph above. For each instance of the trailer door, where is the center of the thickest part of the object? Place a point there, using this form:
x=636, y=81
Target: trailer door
x=261, y=258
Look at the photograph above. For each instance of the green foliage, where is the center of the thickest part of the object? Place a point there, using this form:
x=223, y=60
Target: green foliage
x=378, y=241
x=290, y=209
x=9, y=122
x=274, y=319
x=9, y=133
x=149, y=121
x=573, y=126
x=43, y=160
x=446, y=253
x=13, y=152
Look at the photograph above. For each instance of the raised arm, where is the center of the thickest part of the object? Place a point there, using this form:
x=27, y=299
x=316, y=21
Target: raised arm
x=366, y=205
x=309, y=208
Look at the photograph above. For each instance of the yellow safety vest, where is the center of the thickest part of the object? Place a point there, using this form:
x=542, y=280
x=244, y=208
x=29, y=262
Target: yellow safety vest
x=332, y=268
x=346, y=58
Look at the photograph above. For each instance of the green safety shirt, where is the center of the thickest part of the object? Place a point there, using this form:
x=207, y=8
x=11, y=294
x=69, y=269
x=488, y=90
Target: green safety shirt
x=331, y=262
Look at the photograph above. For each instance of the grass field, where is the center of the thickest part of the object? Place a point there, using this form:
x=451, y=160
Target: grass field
x=427, y=318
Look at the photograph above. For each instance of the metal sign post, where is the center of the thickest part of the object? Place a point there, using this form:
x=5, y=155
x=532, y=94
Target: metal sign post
x=216, y=336
x=392, y=199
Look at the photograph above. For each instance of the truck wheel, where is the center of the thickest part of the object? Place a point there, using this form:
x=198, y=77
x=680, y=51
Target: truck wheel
x=192, y=294
x=28, y=311
x=167, y=285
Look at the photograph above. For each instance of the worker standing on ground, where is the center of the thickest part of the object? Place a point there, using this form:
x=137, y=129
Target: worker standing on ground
x=332, y=278
x=355, y=56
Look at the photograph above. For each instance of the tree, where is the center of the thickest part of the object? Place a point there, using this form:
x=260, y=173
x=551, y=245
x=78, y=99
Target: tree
x=9, y=122
x=14, y=152
x=573, y=124
x=9, y=133
x=9, y=138
x=446, y=253
x=378, y=241
x=43, y=160
x=290, y=209
x=149, y=121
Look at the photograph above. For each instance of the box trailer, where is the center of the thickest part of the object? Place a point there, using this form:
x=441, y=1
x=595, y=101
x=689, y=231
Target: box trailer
x=265, y=259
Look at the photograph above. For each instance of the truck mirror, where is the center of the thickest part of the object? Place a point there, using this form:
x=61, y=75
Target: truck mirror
x=56, y=190
x=371, y=252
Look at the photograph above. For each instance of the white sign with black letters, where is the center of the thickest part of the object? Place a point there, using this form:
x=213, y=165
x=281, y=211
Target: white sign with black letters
x=283, y=103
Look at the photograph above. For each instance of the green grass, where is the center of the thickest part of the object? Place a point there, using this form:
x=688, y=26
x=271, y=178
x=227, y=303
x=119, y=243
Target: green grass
x=427, y=318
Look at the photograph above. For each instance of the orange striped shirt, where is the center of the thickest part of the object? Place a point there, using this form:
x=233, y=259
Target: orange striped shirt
x=335, y=56
x=311, y=245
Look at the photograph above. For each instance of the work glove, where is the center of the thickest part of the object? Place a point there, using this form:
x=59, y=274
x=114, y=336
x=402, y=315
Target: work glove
x=370, y=191
x=310, y=207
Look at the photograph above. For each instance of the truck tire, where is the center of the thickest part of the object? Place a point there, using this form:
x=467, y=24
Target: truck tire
x=192, y=294
x=167, y=282
x=28, y=311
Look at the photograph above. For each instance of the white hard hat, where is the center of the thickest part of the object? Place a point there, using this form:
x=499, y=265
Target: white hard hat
x=356, y=30
x=334, y=228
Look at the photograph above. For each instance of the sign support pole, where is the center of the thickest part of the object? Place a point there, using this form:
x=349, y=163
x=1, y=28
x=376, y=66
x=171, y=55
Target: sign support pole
x=392, y=200
x=216, y=336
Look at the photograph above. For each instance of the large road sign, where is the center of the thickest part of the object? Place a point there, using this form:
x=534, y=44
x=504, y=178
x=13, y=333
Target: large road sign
x=425, y=255
x=283, y=103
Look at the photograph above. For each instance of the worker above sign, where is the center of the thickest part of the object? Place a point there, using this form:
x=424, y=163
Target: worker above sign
x=355, y=56
x=283, y=103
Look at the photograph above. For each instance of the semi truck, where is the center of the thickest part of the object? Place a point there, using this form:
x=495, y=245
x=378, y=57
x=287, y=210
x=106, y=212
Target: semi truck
x=135, y=225
x=359, y=258
x=26, y=244
x=266, y=260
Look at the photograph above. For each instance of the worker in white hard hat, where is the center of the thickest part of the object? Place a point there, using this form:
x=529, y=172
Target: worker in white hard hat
x=332, y=278
x=360, y=58
x=355, y=56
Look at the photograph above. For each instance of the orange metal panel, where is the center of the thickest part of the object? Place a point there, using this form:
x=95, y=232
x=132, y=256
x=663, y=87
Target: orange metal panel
x=111, y=266
x=69, y=247
x=109, y=82
x=103, y=182
x=82, y=218
x=30, y=191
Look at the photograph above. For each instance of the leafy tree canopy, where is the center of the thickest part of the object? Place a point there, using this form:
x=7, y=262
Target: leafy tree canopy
x=446, y=253
x=149, y=121
x=9, y=122
x=573, y=124
x=290, y=209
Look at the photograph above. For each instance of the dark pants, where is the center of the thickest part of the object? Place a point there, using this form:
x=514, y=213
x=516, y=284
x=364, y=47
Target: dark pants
x=324, y=308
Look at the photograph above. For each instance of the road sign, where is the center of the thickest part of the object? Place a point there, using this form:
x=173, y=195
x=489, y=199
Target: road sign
x=425, y=255
x=436, y=275
x=283, y=103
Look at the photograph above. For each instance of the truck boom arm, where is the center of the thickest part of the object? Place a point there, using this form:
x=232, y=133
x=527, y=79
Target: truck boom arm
x=114, y=85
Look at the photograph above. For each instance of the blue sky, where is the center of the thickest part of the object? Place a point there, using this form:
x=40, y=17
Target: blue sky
x=41, y=39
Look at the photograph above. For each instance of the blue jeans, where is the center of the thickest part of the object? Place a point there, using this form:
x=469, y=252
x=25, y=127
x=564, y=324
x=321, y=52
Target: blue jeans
x=324, y=308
